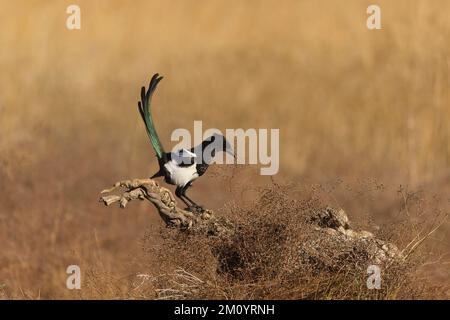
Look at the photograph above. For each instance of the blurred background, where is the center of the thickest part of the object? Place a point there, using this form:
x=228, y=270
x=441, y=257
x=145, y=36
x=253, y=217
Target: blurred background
x=363, y=111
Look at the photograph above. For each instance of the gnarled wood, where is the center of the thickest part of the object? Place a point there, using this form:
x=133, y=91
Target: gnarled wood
x=147, y=189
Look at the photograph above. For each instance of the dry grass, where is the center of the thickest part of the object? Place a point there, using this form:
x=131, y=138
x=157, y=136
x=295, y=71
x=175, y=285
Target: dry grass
x=360, y=113
x=273, y=255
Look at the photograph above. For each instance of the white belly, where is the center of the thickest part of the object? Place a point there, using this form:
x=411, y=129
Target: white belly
x=181, y=176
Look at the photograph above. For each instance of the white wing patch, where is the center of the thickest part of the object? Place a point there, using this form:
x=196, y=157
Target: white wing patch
x=181, y=175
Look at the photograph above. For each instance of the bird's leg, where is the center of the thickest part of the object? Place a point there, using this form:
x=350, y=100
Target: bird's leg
x=196, y=206
x=179, y=194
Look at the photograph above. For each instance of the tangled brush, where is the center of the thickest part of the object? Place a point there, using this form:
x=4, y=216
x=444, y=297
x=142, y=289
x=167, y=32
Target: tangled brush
x=277, y=248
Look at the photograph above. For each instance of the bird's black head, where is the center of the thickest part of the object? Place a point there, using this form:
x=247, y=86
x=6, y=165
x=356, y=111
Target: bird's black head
x=216, y=143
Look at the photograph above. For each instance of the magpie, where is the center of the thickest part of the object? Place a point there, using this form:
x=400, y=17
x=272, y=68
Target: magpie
x=183, y=166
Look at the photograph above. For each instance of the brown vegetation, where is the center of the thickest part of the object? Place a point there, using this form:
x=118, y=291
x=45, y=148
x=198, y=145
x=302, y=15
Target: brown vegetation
x=278, y=248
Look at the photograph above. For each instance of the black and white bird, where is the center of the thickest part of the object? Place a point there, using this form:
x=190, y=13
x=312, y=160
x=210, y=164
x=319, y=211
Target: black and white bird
x=183, y=166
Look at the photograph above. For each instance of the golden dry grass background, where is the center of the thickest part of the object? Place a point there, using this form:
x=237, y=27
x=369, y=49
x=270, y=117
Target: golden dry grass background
x=350, y=103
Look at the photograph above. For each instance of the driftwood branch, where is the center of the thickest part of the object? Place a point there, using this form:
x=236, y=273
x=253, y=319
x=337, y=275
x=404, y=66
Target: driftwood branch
x=147, y=189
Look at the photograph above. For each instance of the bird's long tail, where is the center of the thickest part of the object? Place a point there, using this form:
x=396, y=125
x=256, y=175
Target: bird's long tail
x=144, y=109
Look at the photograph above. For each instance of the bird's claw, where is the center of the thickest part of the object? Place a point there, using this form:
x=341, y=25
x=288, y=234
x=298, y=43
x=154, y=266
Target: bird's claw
x=195, y=209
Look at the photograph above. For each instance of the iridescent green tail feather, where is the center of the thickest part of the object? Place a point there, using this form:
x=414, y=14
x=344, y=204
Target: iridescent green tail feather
x=144, y=109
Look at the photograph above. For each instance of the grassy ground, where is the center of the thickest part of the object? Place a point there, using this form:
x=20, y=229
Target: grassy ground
x=360, y=112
